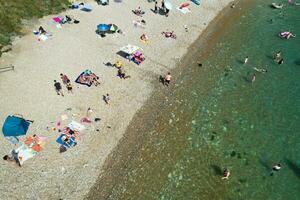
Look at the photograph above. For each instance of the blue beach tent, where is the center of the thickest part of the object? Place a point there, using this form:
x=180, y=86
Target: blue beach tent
x=103, y=27
x=15, y=126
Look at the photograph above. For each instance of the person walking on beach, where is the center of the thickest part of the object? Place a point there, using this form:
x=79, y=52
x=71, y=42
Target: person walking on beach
x=167, y=79
x=163, y=5
x=275, y=168
x=58, y=88
x=69, y=87
x=106, y=99
x=64, y=78
x=246, y=60
x=156, y=7
x=226, y=174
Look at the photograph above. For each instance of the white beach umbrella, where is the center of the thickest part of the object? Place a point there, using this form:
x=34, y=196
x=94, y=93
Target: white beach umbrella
x=168, y=5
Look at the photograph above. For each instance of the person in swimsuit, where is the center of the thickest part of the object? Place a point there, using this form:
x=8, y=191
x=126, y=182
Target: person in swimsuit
x=275, y=168
x=167, y=79
x=65, y=79
x=226, y=174
x=69, y=87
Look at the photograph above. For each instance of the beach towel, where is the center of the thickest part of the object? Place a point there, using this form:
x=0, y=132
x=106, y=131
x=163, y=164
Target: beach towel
x=86, y=78
x=184, y=10
x=24, y=153
x=69, y=144
x=75, y=126
x=57, y=19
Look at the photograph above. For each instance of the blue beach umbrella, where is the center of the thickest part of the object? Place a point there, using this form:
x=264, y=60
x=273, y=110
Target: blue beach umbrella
x=103, y=27
x=15, y=126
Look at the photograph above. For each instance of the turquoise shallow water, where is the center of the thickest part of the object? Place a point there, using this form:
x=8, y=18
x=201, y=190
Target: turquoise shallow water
x=219, y=119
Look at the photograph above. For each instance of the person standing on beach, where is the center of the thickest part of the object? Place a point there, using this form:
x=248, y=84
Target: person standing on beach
x=69, y=87
x=163, y=5
x=64, y=78
x=156, y=7
x=58, y=88
x=106, y=98
x=246, y=60
x=167, y=79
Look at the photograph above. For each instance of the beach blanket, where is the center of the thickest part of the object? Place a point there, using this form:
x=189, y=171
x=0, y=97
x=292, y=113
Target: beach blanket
x=184, y=10
x=43, y=37
x=75, y=126
x=86, y=78
x=69, y=144
x=24, y=153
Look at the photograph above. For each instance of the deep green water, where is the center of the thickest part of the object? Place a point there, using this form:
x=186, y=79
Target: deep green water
x=215, y=118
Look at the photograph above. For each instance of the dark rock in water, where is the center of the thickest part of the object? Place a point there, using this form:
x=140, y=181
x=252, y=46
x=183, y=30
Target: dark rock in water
x=233, y=153
x=214, y=132
x=212, y=137
x=239, y=155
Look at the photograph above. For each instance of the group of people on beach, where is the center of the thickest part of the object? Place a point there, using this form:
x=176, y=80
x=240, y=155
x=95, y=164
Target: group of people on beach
x=163, y=8
x=66, y=81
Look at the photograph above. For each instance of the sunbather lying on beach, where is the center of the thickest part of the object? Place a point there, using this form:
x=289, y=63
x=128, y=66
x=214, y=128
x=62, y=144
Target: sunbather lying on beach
x=122, y=73
x=169, y=34
x=138, y=11
x=95, y=81
x=144, y=38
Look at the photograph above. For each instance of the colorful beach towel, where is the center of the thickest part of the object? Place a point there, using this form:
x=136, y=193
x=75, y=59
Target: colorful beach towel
x=24, y=153
x=86, y=78
x=184, y=10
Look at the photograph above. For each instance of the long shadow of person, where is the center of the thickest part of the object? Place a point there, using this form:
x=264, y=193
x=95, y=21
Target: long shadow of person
x=161, y=79
x=294, y=167
x=217, y=170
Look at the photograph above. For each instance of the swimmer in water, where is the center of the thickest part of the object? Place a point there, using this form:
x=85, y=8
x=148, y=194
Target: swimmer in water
x=275, y=168
x=253, y=78
x=262, y=70
x=226, y=174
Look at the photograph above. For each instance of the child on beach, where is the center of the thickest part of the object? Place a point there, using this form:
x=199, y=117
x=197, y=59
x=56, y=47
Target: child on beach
x=106, y=99
x=69, y=87
x=167, y=79
x=58, y=88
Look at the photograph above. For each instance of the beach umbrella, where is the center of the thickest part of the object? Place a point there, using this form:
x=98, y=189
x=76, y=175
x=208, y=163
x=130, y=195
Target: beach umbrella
x=15, y=126
x=103, y=27
x=113, y=28
x=168, y=5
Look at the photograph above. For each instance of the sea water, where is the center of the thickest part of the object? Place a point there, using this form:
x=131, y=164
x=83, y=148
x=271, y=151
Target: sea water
x=216, y=117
